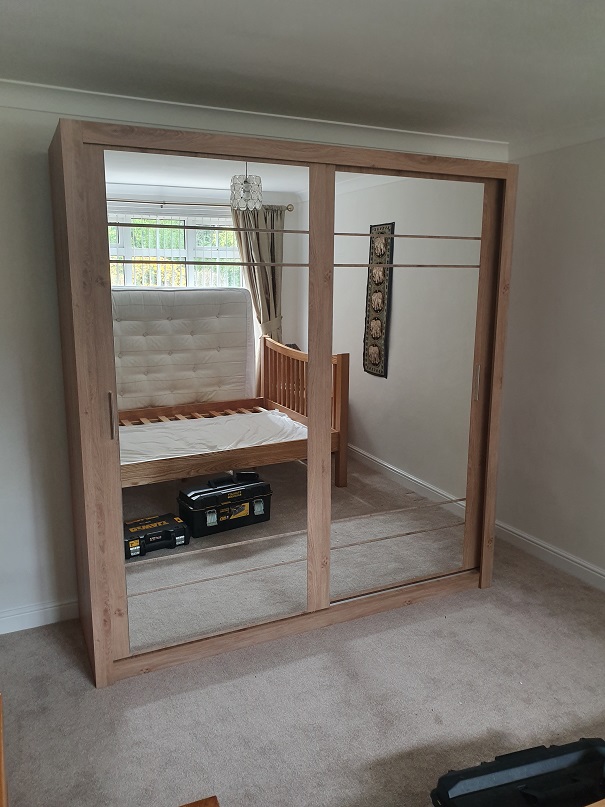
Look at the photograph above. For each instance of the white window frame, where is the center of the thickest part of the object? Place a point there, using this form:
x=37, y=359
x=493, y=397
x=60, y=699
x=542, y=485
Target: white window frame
x=190, y=215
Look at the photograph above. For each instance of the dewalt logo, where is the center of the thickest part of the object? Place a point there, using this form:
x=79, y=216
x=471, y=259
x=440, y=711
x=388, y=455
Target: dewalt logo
x=149, y=526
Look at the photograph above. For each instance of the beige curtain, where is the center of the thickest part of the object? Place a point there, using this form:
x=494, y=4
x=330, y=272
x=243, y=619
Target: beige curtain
x=264, y=282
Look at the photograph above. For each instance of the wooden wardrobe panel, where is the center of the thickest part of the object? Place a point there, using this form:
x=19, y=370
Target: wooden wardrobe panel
x=319, y=385
x=103, y=397
x=63, y=155
x=89, y=377
x=503, y=270
x=141, y=138
x=482, y=371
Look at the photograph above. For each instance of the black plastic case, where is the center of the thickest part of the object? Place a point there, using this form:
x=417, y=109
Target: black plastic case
x=143, y=535
x=224, y=503
x=560, y=776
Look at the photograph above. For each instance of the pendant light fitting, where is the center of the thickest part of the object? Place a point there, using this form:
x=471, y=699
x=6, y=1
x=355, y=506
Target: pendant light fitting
x=246, y=191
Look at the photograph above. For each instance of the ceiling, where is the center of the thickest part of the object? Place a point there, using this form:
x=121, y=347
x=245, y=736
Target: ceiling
x=492, y=69
x=172, y=171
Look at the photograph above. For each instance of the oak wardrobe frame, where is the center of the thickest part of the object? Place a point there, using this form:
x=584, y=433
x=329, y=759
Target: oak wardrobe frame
x=80, y=224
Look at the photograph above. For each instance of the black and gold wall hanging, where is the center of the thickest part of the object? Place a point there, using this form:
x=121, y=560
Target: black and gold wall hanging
x=376, y=338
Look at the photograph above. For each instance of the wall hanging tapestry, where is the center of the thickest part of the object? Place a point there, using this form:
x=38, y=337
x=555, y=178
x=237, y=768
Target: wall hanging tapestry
x=376, y=337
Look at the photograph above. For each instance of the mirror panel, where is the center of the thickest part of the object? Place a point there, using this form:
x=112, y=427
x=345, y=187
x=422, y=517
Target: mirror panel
x=190, y=382
x=402, y=515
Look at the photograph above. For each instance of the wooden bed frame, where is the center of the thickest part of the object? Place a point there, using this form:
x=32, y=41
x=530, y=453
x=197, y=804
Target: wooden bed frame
x=283, y=386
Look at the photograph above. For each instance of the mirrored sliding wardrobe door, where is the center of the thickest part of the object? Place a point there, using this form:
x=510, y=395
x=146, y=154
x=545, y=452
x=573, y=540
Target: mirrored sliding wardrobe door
x=406, y=278
x=211, y=380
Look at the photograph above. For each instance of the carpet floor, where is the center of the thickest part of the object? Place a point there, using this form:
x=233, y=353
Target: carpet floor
x=364, y=714
x=257, y=573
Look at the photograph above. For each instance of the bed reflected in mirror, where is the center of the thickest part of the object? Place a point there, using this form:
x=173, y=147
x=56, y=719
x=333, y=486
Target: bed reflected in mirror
x=211, y=404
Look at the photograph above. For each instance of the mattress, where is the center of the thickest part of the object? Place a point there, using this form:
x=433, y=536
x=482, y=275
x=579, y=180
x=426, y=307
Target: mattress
x=183, y=438
x=174, y=346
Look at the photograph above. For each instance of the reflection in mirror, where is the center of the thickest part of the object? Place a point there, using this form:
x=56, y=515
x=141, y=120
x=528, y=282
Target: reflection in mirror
x=402, y=516
x=211, y=416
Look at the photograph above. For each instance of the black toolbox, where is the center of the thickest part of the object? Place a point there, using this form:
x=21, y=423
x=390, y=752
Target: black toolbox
x=560, y=776
x=143, y=535
x=233, y=500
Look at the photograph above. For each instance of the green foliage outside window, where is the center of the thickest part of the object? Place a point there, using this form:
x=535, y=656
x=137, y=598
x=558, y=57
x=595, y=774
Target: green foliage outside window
x=162, y=273
x=158, y=254
x=215, y=238
x=156, y=237
x=218, y=276
x=117, y=273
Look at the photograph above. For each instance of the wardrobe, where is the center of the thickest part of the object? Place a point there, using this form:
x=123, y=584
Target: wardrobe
x=77, y=164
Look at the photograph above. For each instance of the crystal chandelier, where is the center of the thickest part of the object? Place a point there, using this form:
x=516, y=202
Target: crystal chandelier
x=246, y=192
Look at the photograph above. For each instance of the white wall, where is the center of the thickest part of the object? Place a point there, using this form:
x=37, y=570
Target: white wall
x=36, y=553
x=552, y=469
x=37, y=577
x=417, y=418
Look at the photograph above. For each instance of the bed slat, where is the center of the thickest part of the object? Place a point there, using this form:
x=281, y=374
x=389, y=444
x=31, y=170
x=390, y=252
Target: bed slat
x=213, y=413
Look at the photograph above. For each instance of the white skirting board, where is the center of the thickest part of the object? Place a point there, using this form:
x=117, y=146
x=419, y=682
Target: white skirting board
x=412, y=482
x=565, y=561
x=34, y=616
x=587, y=572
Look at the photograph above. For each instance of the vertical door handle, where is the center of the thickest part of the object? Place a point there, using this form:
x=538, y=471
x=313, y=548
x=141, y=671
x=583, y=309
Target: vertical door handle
x=113, y=416
x=476, y=382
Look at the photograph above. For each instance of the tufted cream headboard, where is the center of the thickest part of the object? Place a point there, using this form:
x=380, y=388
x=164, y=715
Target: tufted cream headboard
x=177, y=346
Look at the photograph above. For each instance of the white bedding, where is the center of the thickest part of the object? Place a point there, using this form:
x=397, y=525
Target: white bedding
x=183, y=438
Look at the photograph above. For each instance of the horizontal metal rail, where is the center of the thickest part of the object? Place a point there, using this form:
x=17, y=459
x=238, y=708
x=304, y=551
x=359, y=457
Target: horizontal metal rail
x=224, y=264
x=219, y=228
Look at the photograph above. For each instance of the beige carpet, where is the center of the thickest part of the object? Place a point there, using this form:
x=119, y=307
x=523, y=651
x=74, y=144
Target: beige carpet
x=256, y=573
x=364, y=714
